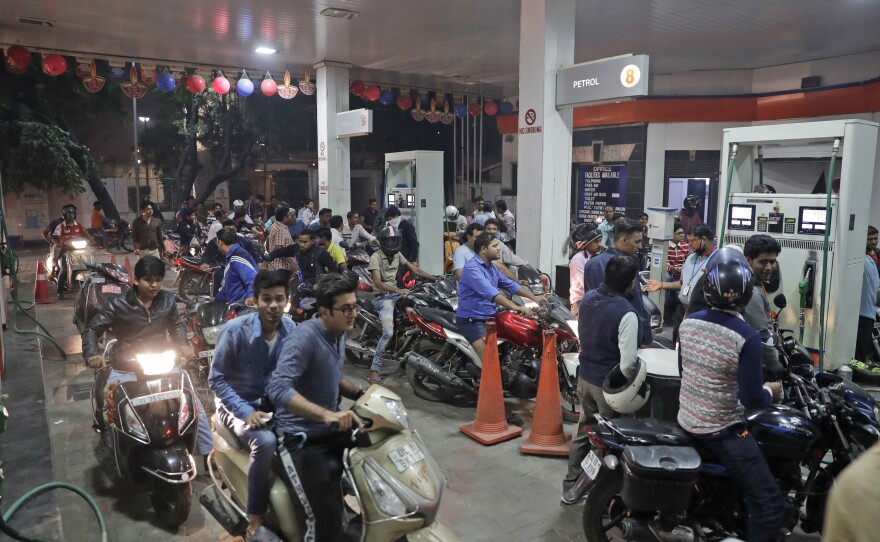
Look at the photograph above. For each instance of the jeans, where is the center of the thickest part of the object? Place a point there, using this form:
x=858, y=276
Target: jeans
x=61, y=273
x=204, y=442
x=315, y=477
x=865, y=339
x=739, y=453
x=592, y=402
x=262, y=445
x=385, y=307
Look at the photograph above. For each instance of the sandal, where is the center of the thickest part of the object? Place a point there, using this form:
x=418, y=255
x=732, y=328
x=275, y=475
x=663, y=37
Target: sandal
x=373, y=380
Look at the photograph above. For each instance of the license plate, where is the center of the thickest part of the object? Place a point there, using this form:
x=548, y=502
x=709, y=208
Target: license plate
x=111, y=289
x=97, y=280
x=591, y=465
x=206, y=353
x=163, y=396
x=406, y=456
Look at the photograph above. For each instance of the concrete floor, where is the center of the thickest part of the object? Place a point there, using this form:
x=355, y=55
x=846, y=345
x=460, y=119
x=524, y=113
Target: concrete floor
x=493, y=493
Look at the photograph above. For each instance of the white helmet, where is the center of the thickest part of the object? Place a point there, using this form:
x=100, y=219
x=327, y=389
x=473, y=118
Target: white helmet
x=451, y=212
x=627, y=395
x=237, y=203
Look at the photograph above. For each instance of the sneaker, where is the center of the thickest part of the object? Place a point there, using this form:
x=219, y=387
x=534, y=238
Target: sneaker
x=262, y=534
x=577, y=491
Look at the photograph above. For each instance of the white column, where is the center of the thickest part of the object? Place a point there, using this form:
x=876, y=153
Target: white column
x=334, y=155
x=546, y=43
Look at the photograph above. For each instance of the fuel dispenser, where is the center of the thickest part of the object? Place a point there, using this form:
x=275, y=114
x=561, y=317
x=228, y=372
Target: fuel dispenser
x=822, y=235
x=414, y=183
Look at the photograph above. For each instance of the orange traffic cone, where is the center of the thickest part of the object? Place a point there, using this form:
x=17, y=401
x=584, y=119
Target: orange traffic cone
x=490, y=425
x=41, y=287
x=546, y=436
x=128, y=268
x=113, y=259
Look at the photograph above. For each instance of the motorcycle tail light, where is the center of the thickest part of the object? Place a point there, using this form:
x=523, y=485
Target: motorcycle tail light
x=546, y=282
x=231, y=315
x=595, y=439
x=364, y=287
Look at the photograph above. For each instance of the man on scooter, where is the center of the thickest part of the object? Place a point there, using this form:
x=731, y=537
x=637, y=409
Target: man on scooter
x=305, y=389
x=65, y=230
x=246, y=354
x=146, y=311
x=478, y=292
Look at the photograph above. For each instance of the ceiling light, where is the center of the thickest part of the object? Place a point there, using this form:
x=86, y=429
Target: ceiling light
x=339, y=13
x=265, y=50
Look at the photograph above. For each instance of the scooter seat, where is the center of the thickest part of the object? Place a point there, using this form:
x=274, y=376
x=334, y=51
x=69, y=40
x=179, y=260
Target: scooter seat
x=227, y=435
x=444, y=318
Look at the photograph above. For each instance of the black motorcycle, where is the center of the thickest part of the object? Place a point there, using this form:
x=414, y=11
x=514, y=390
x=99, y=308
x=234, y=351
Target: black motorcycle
x=104, y=283
x=648, y=478
x=149, y=424
x=118, y=234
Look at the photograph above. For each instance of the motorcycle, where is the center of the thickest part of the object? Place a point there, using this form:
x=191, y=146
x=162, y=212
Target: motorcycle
x=192, y=280
x=396, y=484
x=445, y=367
x=118, y=234
x=648, y=479
x=149, y=425
x=104, y=283
x=78, y=257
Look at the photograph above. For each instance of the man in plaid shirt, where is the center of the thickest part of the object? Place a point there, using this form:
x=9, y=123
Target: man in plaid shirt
x=279, y=236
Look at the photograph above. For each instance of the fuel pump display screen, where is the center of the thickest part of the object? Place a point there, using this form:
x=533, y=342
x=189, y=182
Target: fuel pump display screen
x=811, y=221
x=392, y=200
x=742, y=217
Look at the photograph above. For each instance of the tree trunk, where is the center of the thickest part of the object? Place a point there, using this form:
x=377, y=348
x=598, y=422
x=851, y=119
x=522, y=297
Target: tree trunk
x=226, y=173
x=189, y=157
x=97, y=186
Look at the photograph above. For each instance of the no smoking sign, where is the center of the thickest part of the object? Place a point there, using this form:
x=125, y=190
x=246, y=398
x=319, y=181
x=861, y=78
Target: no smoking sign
x=531, y=117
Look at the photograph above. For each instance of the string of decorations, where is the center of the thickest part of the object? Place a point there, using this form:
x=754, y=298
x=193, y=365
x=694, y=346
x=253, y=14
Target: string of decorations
x=135, y=78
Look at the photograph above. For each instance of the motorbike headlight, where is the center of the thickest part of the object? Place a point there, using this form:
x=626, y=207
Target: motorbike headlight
x=185, y=414
x=79, y=244
x=211, y=334
x=157, y=364
x=388, y=501
x=397, y=410
x=133, y=423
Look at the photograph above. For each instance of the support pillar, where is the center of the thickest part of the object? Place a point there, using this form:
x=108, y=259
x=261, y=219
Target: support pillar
x=546, y=43
x=334, y=155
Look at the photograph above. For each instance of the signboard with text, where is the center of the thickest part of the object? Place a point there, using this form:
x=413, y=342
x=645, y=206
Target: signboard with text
x=598, y=186
x=607, y=79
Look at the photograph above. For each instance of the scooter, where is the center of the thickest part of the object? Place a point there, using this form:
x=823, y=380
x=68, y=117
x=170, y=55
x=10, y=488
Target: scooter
x=397, y=485
x=104, y=283
x=77, y=257
x=149, y=424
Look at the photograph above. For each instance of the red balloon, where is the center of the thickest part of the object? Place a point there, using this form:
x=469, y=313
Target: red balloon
x=269, y=86
x=491, y=108
x=404, y=102
x=17, y=58
x=54, y=64
x=195, y=83
x=220, y=85
x=372, y=93
x=474, y=110
x=357, y=88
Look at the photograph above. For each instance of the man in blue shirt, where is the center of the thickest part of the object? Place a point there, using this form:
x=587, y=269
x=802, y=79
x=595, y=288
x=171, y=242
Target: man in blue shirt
x=868, y=305
x=627, y=242
x=238, y=274
x=465, y=252
x=246, y=354
x=305, y=390
x=478, y=292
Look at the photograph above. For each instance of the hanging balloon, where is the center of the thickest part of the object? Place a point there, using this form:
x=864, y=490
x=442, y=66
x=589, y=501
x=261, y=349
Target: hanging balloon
x=460, y=110
x=491, y=108
x=306, y=85
x=244, y=86
x=54, y=64
x=94, y=82
x=372, y=93
x=386, y=97
x=287, y=91
x=220, y=84
x=475, y=110
x=269, y=87
x=165, y=82
x=357, y=88
x=195, y=83
x=17, y=59
x=404, y=102
x=506, y=108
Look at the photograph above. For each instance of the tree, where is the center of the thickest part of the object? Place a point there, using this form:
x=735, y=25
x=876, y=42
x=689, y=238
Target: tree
x=38, y=118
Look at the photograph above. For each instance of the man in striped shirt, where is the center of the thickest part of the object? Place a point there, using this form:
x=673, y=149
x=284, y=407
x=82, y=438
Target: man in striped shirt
x=720, y=357
x=279, y=236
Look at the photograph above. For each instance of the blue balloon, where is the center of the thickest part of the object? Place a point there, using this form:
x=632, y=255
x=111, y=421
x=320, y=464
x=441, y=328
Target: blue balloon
x=244, y=87
x=165, y=82
x=386, y=97
x=506, y=108
x=460, y=110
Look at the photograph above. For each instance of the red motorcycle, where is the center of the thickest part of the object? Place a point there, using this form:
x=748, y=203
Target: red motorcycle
x=440, y=370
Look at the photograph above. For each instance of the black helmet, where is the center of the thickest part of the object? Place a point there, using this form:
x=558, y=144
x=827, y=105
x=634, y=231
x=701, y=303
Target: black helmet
x=692, y=202
x=583, y=235
x=69, y=208
x=728, y=283
x=389, y=240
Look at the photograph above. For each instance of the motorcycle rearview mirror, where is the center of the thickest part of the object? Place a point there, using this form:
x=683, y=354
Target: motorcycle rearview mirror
x=780, y=301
